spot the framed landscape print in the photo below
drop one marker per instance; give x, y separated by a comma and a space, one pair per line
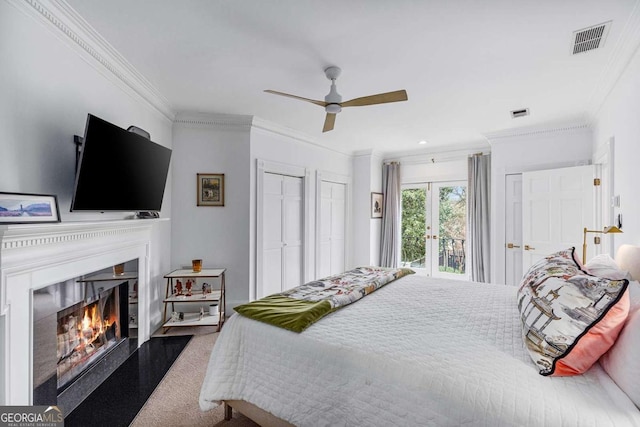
376, 205
210, 189
21, 208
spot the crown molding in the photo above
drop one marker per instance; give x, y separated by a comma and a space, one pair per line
232, 122
68, 26
534, 130
621, 55
245, 123
367, 152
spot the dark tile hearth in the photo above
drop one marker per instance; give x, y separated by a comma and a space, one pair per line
119, 398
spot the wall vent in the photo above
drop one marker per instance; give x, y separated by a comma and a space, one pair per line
519, 113
589, 38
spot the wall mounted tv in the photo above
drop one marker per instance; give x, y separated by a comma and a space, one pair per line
119, 170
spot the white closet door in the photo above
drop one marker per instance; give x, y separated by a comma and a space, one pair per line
556, 205
332, 228
292, 231
272, 235
324, 244
338, 225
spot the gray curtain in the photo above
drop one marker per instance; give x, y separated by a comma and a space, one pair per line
479, 201
391, 221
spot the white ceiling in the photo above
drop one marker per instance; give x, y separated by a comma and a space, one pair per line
465, 64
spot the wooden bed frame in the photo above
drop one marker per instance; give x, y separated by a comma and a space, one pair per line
251, 411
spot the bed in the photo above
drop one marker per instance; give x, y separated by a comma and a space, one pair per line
419, 351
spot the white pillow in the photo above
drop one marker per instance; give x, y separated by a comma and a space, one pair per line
605, 266
622, 362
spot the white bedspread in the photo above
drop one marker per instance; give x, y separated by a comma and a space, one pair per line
418, 352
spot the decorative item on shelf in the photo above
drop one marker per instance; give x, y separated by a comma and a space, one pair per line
118, 269
135, 289
196, 264
177, 316
210, 189
213, 309
206, 289
178, 287
23, 208
606, 230
376, 205
189, 285
201, 312
133, 319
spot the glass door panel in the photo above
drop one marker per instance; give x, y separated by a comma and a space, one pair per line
434, 222
414, 229
449, 211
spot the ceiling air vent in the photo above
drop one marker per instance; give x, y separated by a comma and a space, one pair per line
519, 113
589, 38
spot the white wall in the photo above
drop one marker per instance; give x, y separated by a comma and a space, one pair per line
219, 235
618, 119
528, 151
447, 170
367, 178
48, 84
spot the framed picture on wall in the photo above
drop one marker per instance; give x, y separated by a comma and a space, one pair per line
21, 208
210, 189
376, 205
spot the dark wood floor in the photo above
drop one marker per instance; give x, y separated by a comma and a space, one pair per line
117, 401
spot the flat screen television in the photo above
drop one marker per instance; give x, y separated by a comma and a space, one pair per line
119, 170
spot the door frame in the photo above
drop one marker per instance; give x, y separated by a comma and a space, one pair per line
606, 202
338, 179
266, 166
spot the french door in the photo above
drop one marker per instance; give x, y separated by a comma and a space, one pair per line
434, 224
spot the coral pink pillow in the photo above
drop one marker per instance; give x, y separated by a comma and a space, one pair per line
569, 318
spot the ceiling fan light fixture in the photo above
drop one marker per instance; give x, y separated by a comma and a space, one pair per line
333, 108
333, 101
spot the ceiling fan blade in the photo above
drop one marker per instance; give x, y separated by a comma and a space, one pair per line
329, 121
381, 98
313, 101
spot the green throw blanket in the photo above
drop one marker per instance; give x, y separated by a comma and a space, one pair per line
299, 307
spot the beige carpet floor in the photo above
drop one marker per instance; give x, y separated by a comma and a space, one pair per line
175, 401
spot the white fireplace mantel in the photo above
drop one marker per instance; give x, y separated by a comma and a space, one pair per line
37, 255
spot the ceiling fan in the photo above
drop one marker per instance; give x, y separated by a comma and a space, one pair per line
333, 101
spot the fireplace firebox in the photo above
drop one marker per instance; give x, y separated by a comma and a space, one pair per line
85, 333
81, 335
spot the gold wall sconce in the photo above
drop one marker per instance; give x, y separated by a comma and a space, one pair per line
606, 230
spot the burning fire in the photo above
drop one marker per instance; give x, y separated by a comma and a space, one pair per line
81, 335
92, 324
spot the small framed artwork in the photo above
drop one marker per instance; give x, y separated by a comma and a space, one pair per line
210, 189
22, 208
376, 205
